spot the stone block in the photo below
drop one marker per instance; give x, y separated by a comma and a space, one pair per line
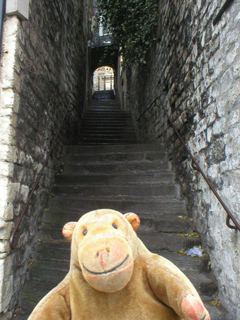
226, 81
7, 97
18, 7
219, 127
4, 246
24, 192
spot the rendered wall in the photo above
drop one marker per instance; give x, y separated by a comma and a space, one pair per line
43, 71
195, 69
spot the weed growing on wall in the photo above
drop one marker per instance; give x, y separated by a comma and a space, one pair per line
132, 23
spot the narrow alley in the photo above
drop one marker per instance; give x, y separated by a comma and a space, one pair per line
132, 106
108, 169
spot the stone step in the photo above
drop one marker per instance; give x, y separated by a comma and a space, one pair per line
119, 191
171, 223
107, 142
107, 129
154, 241
79, 150
109, 126
60, 251
112, 105
108, 135
133, 167
99, 137
114, 179
161, 206
99, 119
54, 271
115, 157
107, 113
35, 290
106, 119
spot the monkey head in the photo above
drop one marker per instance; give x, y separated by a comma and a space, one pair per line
104, 248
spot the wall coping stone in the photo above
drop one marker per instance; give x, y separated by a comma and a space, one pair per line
19, 8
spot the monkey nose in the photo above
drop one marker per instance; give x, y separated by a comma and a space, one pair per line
102, 252
103, 255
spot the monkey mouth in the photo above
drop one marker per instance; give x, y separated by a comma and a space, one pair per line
108, 271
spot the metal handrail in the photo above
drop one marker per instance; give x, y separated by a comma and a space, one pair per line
196, 166
2, 13
12, 242
222, 10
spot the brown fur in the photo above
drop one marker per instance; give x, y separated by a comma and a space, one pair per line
114, 277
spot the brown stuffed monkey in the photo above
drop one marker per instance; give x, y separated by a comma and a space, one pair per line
113, 276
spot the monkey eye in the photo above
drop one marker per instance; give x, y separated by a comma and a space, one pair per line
84, 232
115, 226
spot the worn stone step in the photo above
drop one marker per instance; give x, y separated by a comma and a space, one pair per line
160, 206
108, 135
104, 120
107, 138
54, 271
115, 157
136, 167
33, 292
109, 126
79, 150
49, 250
149, 222
156, 242
104, 106
107, 129
106, 142
105, 114
113, 179
217, 313
118, 191
36, 290
50, 271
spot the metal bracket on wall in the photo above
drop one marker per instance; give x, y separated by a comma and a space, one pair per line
222, 10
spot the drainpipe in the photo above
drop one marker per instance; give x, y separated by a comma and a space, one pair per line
2, 13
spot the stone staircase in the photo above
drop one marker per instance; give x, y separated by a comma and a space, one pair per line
105, 123
125, 177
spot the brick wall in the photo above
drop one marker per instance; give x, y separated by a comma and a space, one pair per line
43, 71
195, 69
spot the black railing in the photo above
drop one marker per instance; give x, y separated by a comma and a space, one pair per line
14, 239
222, 10
196, 166
2, 13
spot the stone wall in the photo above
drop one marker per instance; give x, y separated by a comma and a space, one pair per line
194, 69
43, 72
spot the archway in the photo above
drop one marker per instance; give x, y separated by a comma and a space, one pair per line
103, 79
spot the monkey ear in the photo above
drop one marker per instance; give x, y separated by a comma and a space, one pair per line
67, 230
133, 219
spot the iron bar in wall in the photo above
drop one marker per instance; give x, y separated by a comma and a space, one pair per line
13, 243
2, 13
222, 10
